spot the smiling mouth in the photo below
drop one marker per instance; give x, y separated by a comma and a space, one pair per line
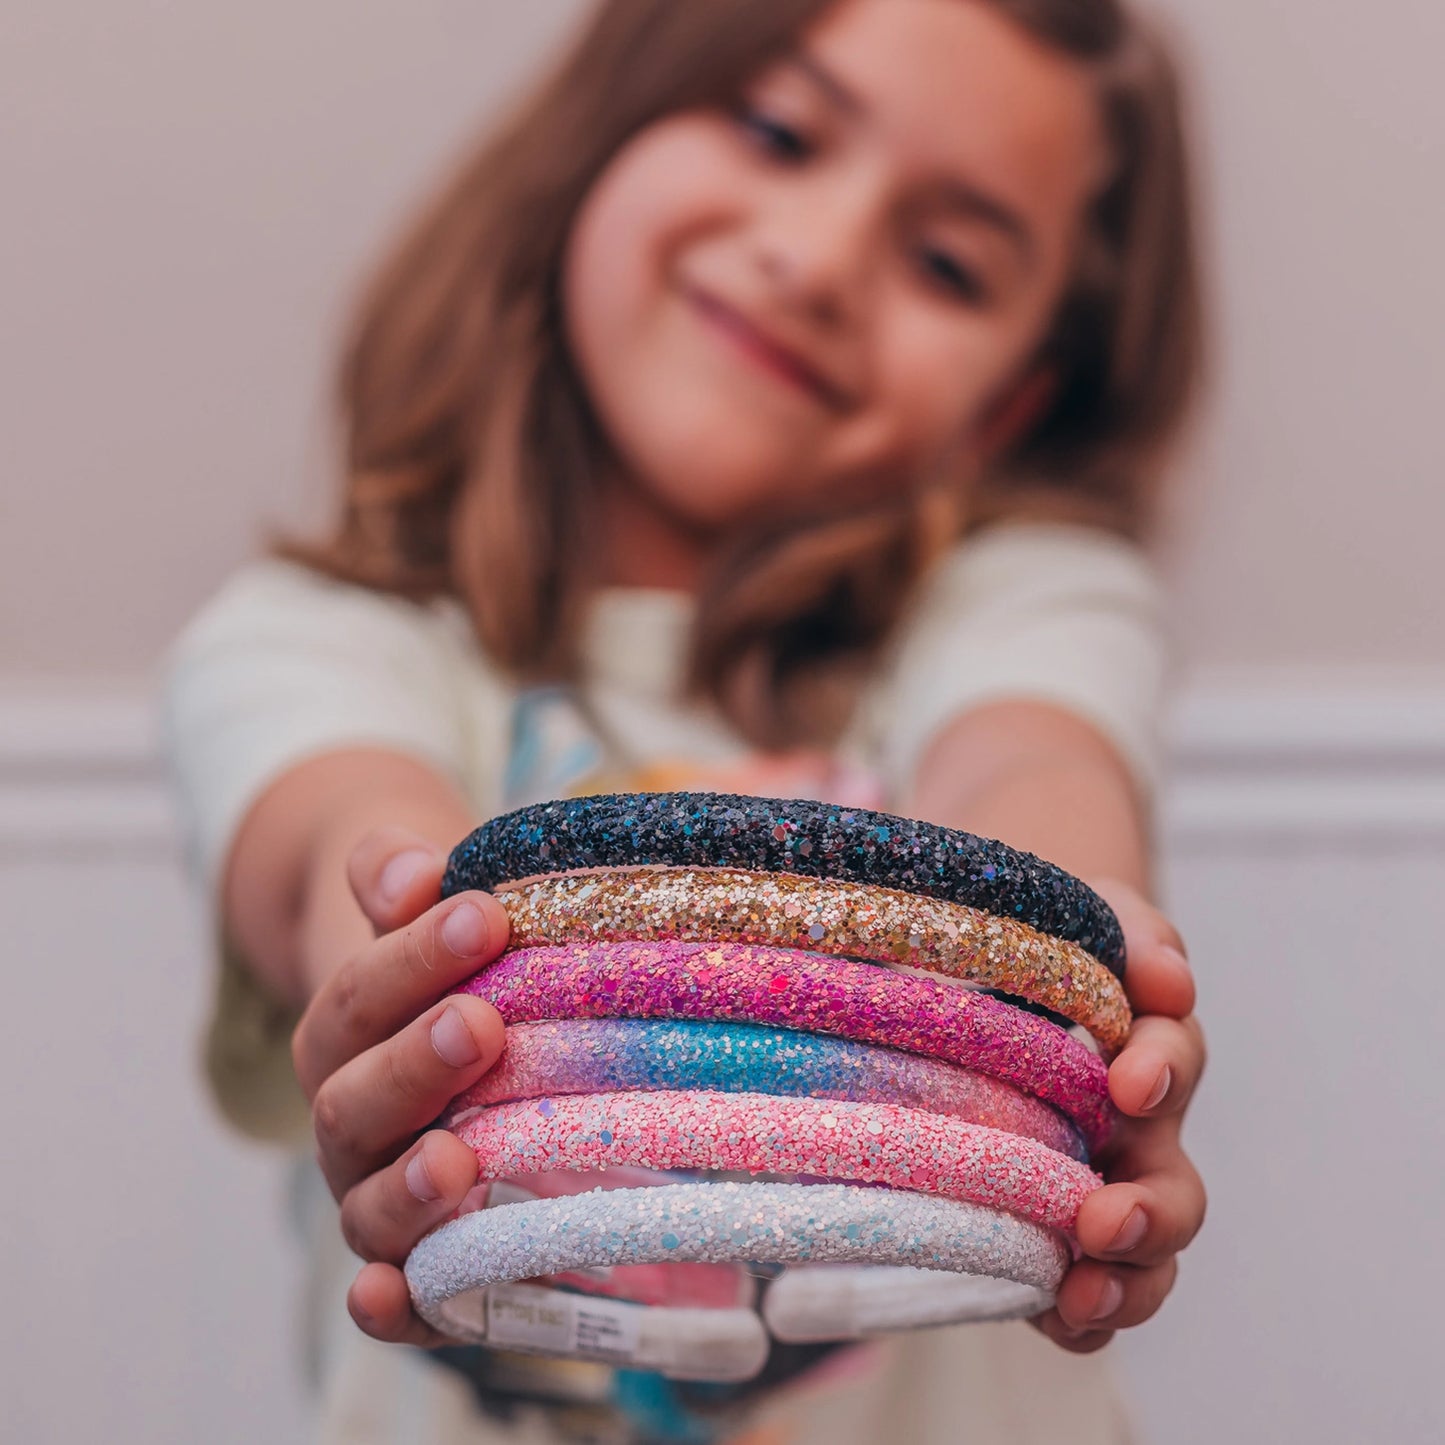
769, 355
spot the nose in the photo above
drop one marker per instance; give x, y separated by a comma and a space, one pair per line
816, 247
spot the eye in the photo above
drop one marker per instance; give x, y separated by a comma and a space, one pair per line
774, 137
952, 276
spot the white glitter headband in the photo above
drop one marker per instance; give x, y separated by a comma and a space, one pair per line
450, 1271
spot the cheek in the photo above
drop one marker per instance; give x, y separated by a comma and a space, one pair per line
676, 411
935, 382
659, 192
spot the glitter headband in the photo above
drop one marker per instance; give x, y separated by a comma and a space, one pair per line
850, 920
904, 1149
588, 1056
696, 1286
747, 983
804, 1304
817, 840
721, 1223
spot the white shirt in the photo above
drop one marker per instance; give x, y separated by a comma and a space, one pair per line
284, 664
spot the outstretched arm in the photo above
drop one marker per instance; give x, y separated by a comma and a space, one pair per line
332, 896
1039, 778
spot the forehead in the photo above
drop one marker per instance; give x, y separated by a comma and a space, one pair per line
956, 89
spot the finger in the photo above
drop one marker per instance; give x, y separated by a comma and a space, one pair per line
1095, 1296
389, 982
1155, 1208
1156, 1072
372, 1106
381, 1306
395, 875
1050, 1323
1157, 979
387, 1212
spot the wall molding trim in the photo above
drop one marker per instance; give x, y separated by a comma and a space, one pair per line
1334, 761
1331, 762
81, 773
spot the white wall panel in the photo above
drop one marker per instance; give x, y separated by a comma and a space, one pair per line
147, 1274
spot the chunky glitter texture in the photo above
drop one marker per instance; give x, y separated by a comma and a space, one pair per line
817, 840
849, 920
725, 1223
589, 1056
763, 1134
749, 983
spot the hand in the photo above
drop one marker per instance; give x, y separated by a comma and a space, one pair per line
1152, 1203
380, 1051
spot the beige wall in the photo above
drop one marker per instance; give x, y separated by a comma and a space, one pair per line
1314, 529
188, 190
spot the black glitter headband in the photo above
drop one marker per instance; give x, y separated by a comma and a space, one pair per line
818, 840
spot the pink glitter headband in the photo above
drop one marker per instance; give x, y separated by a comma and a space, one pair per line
592, 1056
905, 1149
828, 916
754, 984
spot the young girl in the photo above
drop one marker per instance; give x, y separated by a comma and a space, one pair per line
769, 408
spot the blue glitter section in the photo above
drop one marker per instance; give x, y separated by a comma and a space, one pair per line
816, 840
586, 1055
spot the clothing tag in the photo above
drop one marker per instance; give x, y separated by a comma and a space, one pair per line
606, 1331
523, 1317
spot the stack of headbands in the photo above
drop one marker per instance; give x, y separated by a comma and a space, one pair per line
828, 1045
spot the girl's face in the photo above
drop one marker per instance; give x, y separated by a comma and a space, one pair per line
842, 280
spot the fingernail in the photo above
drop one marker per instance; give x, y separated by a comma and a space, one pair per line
1161, 1087
1130, 1232
1110, 1298
453, 1040
475, 1199
465, 930
419, 1181
399, 875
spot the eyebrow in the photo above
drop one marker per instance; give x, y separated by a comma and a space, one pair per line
958, 196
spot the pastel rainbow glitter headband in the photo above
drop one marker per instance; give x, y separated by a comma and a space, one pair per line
592, 1056
811, 839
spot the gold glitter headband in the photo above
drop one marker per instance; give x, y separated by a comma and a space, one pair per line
841, 919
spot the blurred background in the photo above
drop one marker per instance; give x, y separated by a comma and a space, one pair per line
188, 193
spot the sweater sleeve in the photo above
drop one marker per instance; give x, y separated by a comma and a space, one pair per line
1065, 615
282, 665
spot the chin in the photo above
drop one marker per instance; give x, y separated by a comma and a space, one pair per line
709, 513
713, 492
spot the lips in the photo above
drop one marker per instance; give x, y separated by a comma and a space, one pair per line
766, 352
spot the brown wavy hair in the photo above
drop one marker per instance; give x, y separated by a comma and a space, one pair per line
470, 448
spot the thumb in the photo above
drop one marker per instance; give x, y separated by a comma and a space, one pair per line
395, 875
